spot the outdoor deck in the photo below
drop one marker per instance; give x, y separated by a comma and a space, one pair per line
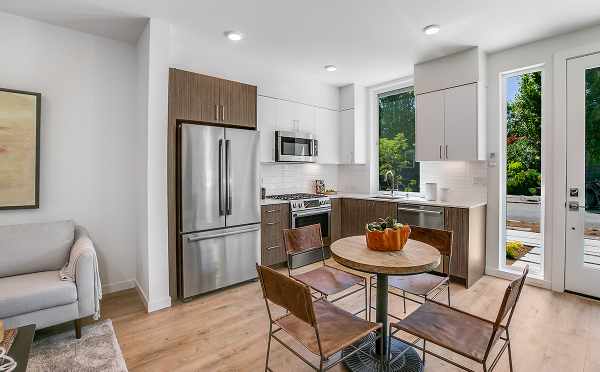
535, 257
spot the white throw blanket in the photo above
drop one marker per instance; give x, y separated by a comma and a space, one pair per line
84, 245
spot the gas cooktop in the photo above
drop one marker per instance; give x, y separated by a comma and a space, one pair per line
297, 196
303, 201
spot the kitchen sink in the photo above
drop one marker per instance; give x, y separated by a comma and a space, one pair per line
389, 197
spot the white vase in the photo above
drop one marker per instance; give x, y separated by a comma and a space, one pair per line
430, 191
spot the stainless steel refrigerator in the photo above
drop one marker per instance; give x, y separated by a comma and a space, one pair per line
219, 210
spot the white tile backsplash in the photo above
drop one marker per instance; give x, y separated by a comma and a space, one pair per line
466, 180
290, 178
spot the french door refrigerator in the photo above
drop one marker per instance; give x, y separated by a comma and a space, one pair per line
219, 210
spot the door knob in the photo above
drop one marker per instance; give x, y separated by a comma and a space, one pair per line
574, 206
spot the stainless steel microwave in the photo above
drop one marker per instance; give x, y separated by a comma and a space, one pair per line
295, 147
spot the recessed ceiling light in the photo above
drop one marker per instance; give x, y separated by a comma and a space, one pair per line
234, 35
330, 68
431, 29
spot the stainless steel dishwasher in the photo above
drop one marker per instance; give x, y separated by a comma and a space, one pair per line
421, 215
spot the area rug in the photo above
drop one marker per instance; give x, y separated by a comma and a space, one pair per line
97, 350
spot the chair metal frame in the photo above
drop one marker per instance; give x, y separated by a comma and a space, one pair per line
498, 330
323, 366
435, 291
291, 255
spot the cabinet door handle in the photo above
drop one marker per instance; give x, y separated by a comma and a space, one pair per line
273, 247
272, 223
440, 151
446, 152
272, 211
222, 113
217, 112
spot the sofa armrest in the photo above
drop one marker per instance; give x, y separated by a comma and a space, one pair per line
85, 273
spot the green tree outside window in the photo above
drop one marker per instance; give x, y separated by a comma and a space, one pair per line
397, 141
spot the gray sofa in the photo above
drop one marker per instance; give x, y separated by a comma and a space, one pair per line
31, 290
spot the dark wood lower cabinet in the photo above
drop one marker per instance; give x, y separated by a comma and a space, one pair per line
357, 213
467, 224
274, 218
468, 243
335, 228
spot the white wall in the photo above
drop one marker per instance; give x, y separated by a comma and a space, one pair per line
88, 126
153, 272
143, 49
511, 59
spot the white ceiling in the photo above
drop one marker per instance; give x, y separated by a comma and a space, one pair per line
369, 41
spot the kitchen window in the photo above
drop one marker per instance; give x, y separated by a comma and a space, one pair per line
397, 166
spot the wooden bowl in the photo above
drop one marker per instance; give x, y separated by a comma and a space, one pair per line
388, 240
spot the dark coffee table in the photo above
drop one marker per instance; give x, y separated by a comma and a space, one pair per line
20, 348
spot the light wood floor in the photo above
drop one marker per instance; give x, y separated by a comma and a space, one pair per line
227, 331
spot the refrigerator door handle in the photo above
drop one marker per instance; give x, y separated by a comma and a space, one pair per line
221, 208
229, 183
220, 235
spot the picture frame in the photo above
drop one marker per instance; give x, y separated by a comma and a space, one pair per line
20, 119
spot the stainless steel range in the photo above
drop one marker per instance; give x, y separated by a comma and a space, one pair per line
309, 209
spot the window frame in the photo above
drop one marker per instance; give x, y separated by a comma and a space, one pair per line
401, 85
544, 223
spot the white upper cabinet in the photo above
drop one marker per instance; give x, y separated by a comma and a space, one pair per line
275, 114
346, 137
450, 108
430, 126
267, 115
460, 118
353, 125
328, 135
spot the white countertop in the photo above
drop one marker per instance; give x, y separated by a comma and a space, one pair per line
414, 200
400, 200
268, 201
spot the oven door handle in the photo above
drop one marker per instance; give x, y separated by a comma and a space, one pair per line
311, 212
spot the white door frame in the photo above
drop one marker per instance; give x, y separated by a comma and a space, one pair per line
560, 162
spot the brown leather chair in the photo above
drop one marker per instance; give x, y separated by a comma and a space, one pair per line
324, 329
465, 334
427, 285
325, 280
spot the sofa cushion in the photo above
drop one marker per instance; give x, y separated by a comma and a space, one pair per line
36, 247
32, 292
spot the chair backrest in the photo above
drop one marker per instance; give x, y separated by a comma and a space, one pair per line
437, 238
288, 293
509, 302
302, 240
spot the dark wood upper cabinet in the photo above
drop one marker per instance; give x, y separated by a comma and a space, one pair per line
202, 98
238, 103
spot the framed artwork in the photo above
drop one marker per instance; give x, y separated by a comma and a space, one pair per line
19, 149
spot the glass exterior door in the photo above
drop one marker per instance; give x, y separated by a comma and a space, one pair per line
582, 270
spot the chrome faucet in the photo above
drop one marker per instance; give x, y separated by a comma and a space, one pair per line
386, 178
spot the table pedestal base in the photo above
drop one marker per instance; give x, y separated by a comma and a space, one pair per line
408, 362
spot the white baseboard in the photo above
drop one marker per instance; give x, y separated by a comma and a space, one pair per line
491, 271
159, 304
141, 293
152, 306
118, 286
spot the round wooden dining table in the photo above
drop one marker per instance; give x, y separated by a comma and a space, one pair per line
416, 257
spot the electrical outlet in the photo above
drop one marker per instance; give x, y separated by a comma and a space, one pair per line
479, 180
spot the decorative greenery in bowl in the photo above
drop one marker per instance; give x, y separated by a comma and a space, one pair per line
387, 235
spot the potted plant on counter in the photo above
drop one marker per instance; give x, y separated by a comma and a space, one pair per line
387, 235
